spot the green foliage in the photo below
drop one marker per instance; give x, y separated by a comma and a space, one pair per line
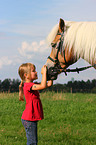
74, 86
9, 85
70, 119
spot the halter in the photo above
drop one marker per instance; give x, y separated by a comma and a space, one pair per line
53, 72
59, 47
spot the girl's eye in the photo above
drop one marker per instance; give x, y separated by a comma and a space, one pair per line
33, 70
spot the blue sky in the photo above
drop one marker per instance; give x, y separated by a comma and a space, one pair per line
24, 26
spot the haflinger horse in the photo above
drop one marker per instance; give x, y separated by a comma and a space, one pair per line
70, 41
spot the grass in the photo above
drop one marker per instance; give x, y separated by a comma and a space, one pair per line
70, 119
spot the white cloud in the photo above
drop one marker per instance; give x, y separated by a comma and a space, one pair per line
28, 50
5, 61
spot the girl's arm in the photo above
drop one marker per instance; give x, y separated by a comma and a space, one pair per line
43, 83
21, 94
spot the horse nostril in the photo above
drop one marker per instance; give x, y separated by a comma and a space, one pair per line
52, 73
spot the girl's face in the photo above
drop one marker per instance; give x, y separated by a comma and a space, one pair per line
33, 74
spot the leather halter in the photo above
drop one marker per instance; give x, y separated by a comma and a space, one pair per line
59, 48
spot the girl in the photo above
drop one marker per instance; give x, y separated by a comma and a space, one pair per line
33, 109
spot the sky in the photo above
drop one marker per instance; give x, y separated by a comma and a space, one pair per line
24, 26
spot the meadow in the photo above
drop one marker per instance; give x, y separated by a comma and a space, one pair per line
70, 119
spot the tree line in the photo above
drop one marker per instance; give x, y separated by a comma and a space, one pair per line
9, 85
72, 86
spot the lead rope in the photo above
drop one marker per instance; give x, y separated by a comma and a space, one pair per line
76, 70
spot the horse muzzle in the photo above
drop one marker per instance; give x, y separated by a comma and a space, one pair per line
52, 73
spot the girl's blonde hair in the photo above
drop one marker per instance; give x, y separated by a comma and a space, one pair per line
25, 68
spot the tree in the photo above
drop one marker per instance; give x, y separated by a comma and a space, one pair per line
5, 85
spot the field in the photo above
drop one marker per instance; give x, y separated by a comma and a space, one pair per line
70, 119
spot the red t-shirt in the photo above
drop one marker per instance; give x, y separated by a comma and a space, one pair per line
33, 109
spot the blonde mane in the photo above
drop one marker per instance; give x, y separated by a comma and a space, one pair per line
52, 34
79, 35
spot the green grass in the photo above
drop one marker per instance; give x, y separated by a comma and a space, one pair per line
70, 119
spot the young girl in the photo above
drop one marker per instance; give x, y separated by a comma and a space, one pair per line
33, 109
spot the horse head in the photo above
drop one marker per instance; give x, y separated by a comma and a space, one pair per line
60, 56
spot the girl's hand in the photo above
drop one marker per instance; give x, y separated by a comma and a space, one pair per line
21, 86
21, 99
43, 69
21, 95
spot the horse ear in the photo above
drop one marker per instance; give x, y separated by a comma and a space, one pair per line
61, 25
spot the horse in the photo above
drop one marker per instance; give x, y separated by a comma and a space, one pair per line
70, 41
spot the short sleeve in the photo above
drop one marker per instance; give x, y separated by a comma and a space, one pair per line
28, 86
